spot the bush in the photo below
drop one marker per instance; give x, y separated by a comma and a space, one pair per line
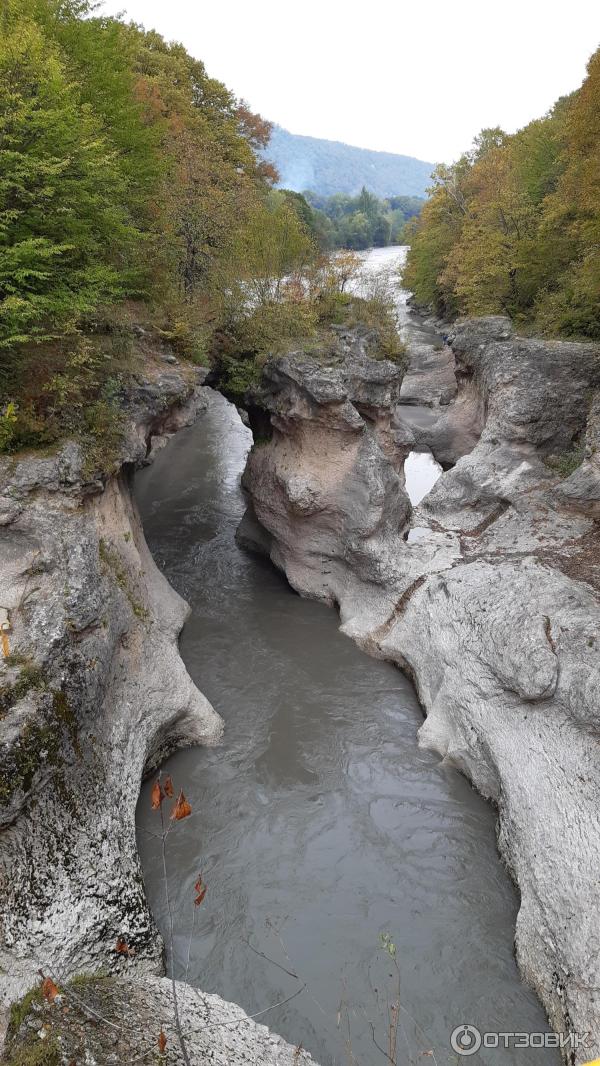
8, 421
273, 325
81, 399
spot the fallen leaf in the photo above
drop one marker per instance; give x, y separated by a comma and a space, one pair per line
49, 989
157, 795
168, 786
200, 897
162, 1042
122, 947
182, 808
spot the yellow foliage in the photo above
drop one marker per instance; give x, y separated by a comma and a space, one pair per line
514, 226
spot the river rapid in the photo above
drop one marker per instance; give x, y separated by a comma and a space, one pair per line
318, 824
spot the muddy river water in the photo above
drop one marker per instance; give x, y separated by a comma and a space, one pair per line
319, 825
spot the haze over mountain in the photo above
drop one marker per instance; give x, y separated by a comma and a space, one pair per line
328, 167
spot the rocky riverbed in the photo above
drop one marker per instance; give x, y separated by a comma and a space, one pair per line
487, 594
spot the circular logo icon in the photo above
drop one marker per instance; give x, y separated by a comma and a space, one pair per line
465, 1040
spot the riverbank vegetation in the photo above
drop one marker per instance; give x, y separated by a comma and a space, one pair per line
305, 309
133, 201
514, 226
362, 221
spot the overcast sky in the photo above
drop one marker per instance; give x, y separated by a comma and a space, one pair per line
420, 78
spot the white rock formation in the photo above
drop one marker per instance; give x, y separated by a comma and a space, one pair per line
93, 694
493, 610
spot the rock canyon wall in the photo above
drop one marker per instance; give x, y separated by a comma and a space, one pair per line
487, 594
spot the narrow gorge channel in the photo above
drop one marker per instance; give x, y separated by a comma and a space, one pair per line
318, 822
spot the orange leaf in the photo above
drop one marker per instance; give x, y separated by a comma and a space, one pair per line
49, 989
168, 786
182, 808
162, 1042
200, 897
157, 795
122, 947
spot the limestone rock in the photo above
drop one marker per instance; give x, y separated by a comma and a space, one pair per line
95, 694
493, 609
105, 1020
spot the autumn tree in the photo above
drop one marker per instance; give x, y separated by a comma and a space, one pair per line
514, 226
273, 246
126, 174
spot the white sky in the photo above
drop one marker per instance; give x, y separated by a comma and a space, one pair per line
417, 78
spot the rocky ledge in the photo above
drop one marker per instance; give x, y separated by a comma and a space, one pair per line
113, 1021
93, 694
487, 595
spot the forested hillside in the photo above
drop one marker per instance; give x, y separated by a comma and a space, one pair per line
133, 202
514, 226
329, 167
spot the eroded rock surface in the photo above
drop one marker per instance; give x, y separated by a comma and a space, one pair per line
493, 609
102, 1021
92, 694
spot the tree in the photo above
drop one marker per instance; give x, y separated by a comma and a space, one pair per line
273, 246
514, 226
67, 241
126, 173
356, 231
486, 266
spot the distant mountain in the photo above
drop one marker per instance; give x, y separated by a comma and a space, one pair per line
327, 167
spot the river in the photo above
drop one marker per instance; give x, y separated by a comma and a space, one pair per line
318, 824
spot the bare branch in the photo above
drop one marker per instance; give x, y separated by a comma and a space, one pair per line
269, 959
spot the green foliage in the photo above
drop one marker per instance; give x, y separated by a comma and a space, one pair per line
273, 248
126, 173
514, 226
133, 190
300, 315
29, 1050
239, 376
566, 464
272, 325
8, 421
375, 312
67, 242
76, 391
36, 1052
21, 1008
387, 944
362, 221
30, 677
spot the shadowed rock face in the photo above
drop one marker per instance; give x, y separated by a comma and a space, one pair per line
95, 693
494, 609
582, 488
